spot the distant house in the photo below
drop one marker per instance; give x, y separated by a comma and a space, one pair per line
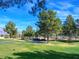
3, 34
77, 25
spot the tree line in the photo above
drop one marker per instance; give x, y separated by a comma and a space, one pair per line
48, 25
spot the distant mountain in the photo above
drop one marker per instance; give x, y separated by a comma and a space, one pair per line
2, 32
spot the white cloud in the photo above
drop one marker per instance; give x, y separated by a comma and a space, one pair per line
2, 25
54, 5
61, 5
63, 14
66, 5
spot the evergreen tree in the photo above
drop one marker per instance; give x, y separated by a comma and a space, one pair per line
69, 26
48, 23
11, 29
29, 32
77, 27
38, 5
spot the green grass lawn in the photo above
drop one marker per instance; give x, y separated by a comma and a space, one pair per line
12, 49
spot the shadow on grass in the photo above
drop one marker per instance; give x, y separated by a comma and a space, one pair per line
45, 55
66, 41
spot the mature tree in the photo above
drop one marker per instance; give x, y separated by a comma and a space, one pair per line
11, 29
23, 35
29, 32
41, 24
48, 23
77, 27
37, 5
57, 27
69, 26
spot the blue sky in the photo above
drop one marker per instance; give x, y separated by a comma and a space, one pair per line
22, 19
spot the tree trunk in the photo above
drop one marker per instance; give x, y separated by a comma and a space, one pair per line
76, 34
56, 37
10, 36
47, 38
69, 39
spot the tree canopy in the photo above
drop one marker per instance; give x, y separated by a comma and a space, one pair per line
11, 29
69, 25
48, 23
28, 32
37, 4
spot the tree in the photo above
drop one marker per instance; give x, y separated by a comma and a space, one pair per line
77, 27
57, 27
11, 29
69, 26
48, 23
29, 32
37, 4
